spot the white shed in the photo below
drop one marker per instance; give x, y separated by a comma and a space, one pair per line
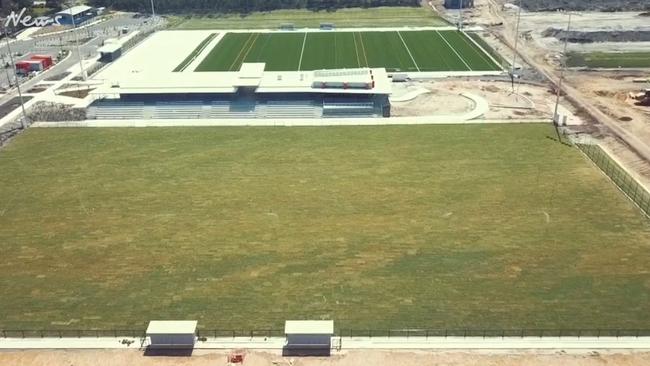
309, 334
172, 333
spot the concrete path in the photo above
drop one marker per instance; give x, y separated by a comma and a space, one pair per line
431, 343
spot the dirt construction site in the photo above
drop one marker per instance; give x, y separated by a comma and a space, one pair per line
601, 98
352, 358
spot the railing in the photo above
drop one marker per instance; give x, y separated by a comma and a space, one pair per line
623, 180
344, 333
492, 333
71, 333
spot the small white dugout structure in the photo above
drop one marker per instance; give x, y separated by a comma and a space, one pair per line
168, 334
308, 336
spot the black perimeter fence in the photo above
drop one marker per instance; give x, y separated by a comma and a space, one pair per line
341, 333
626, 183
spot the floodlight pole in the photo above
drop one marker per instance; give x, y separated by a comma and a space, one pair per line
460, 22
76, 42
514, 57
556, 118
20, 94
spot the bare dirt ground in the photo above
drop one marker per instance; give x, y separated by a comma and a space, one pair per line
352, 358
527, 102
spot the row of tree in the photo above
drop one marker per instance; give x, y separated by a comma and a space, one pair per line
244, 6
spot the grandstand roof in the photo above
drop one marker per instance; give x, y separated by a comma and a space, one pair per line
344, 81
250, 74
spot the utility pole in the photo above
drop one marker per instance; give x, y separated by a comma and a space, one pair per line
460, 21
20, 94
514, 57
76, 42
556, 117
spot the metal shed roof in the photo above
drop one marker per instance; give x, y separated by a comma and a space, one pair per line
309, 327
75, 10
172, 327
109, 48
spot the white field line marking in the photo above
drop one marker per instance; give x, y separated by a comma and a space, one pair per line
356, 50
453, 49
408, 50
485, 52
363, 48
207, 41
304, 40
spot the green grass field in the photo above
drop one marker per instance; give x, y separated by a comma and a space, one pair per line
609, 60
396, 51
478, 226
353, 17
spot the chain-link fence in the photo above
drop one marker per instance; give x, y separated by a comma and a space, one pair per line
625, 182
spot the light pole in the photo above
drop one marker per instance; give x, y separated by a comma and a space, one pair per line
460, 21
153, 11
514, 57
556, 118
20, 94
76, 42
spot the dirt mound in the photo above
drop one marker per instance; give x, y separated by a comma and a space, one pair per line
598, 36
583, 5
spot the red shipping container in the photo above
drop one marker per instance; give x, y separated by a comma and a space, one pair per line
35, 65
47, 60
23, 66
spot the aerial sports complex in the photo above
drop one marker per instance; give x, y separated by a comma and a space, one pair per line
279, 73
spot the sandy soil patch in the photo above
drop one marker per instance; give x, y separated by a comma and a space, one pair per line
527, 102
352, 358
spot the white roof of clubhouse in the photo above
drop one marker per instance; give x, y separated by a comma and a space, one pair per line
266, 82
148, 69
76, 10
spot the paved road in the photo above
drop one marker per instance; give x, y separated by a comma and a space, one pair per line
93, 35
90, 38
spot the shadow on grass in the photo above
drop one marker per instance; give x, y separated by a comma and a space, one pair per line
168, 352
554, 138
